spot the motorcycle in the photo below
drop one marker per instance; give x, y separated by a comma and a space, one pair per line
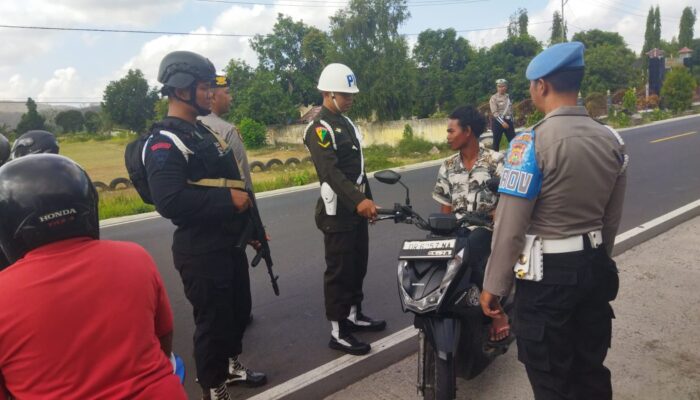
437, 285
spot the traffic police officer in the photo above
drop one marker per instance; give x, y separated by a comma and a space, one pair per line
194, 181
343, 211
562, 192
502, 113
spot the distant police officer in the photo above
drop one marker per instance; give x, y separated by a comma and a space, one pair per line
562, 192
502, 114
194, 181
34, 142
343, 210
220, 105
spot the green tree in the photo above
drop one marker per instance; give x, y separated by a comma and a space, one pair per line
609, 68
282, 53
366, 39
129, 101
240, 74
30, 120
93, 121
508, 60
523, 21
264, 100
596, 37
629, 101
678, 88
160, 109
559, 29
439, 56
685, 34
70, 121
652, 36
254, 133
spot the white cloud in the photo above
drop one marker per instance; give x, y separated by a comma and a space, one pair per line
236, 19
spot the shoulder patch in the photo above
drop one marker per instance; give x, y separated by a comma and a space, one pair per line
521, 176
324, 137
161, 146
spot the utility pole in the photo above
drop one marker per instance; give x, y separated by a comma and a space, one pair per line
563, 24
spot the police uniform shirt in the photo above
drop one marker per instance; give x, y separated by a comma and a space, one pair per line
230, 134
582, 191
466, 190
501, 106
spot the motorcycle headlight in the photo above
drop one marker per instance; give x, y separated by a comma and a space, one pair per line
433, 300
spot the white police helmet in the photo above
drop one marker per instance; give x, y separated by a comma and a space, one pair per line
337, 78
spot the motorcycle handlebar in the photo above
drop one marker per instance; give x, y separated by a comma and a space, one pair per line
386, 211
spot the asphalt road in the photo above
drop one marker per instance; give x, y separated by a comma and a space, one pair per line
289, 334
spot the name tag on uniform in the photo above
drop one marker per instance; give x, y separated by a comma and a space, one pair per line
521, 176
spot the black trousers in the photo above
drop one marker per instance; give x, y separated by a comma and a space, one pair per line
498, 131
217, 285
346, 267
479, 246
563, 326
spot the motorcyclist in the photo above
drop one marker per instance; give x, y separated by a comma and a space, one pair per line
34, 142
463, 186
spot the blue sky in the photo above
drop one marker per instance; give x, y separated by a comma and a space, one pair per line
76, 66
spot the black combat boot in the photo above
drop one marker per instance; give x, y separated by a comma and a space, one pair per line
217, 393
343, 340
240, 375
357, 321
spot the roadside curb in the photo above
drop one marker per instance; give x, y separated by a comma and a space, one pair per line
107, 223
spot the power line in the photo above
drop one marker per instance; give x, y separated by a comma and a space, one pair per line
341, 4
105, 30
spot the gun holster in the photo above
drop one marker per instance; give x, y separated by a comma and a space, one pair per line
330, 199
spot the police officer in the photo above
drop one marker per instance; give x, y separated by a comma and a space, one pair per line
563, 187
502, 114
220, 105
344, 209
34, 142
195, 182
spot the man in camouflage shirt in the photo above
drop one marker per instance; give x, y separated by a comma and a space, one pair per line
462, 187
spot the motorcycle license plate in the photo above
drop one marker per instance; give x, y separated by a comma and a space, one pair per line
437, 249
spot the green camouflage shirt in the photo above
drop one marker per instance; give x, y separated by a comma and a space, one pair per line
466, 190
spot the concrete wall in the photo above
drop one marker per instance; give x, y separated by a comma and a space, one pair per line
432, 130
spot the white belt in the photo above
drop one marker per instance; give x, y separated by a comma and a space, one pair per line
571, 244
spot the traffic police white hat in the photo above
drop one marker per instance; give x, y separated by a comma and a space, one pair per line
560, 57
337, 78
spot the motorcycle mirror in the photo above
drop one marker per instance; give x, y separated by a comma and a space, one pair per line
493, 184
387, 176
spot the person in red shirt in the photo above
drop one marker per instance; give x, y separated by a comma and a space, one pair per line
80, 318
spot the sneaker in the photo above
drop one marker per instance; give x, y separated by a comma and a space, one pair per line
348, 343
218, 393
357, 321
240, 375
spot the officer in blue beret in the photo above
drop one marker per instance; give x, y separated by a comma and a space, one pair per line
562, 191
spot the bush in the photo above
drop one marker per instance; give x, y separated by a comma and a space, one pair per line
253, 132
678, 88
629, 101
522, 110
619, 120
658, 115
646, 103
596, 104
534, 118
410, 144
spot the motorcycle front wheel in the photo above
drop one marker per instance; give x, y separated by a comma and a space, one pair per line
439, 382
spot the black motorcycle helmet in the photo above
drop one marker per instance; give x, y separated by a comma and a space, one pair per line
183, 69
34, 142
4, 149
44, 198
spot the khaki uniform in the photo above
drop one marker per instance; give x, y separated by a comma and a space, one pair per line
466, 190
231, 135
337, 156
501, 111
501, 106
563, 322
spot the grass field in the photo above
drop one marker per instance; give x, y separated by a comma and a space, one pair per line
104, 161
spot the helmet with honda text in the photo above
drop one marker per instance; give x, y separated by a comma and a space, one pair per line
44, 198
337, 78
34, 142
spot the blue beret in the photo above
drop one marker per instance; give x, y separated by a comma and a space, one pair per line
560, 57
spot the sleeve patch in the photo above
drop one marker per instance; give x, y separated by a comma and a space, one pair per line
323, 137
521, 177
161, 145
